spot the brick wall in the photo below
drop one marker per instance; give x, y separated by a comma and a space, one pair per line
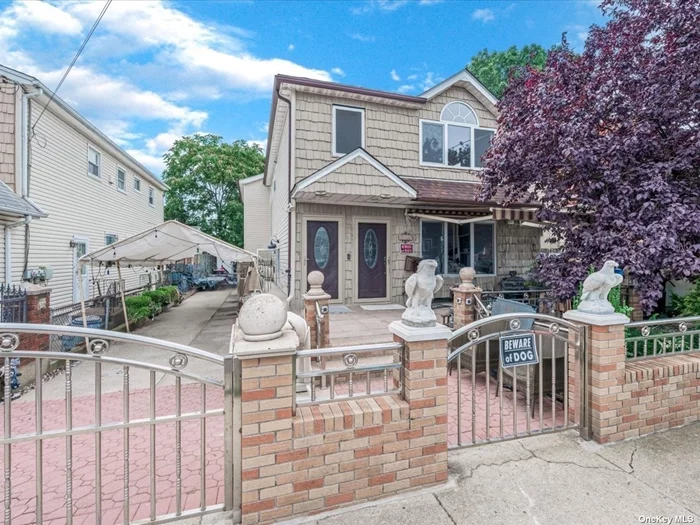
38, 312
344, 452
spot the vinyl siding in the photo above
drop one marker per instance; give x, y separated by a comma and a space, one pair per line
256, 216
7, 134
391, 133
279, 199
79, 204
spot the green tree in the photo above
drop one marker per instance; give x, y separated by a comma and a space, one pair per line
493, 68
202, 172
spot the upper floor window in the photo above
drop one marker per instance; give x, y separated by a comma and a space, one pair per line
94, 161
348, 129
456, 140
137, 184
111, 238
121, 180
151, 197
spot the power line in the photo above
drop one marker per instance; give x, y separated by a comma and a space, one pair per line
75, 59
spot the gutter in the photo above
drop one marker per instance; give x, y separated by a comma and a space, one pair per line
26, 125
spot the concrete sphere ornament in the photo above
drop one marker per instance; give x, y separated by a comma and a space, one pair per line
262, 317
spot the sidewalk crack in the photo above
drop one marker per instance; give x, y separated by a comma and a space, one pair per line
444, 509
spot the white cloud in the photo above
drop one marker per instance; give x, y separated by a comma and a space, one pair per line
394, 75
163, 141
338, 71
152, 162
387, 5
362, 38
484, 15
44, 16
118, 130
430, 2
262, 143
580, 33
290, 47
406, 88
412, 77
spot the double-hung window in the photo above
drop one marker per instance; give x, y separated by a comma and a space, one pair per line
137, 184
151, 197
121, 180
455, 246
456, 140
111, 238
348, 129
94, 162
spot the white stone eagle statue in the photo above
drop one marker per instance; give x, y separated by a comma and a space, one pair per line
596, 287
420, 288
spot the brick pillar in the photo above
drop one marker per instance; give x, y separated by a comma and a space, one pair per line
605, 371
635, 302
464, 302
425, 390
266, 417
313, 296
38, 312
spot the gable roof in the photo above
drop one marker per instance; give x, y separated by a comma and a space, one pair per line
13, 205
68, 111
463, 75
342, 161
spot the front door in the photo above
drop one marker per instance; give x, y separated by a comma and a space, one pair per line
80, 276
371, 260
322, 253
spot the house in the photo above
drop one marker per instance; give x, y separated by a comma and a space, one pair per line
65, 189
359, 182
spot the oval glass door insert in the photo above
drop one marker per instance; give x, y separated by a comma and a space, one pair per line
371, 248
322, 247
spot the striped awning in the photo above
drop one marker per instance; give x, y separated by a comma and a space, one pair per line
514, 214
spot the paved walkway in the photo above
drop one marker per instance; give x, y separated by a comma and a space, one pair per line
203, 321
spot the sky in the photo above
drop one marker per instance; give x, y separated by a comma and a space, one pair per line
154, 71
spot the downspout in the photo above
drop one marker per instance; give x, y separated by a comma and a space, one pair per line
24, 176
291, 211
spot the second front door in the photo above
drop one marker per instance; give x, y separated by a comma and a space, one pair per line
371, 260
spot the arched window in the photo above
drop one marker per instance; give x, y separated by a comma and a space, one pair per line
456, 140
459, 112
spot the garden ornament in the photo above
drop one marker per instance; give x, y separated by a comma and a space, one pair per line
420, 288
596, 287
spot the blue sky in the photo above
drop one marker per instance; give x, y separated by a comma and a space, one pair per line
155, 70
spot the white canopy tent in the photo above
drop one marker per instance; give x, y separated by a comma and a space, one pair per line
164, 243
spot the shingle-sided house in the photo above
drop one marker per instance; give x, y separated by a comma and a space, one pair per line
357, 180
65, 189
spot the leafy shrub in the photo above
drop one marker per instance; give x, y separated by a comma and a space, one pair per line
160, 297
139, 307
690, 303
173, 293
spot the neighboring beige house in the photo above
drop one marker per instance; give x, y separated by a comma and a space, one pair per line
256, 215
360, 179
67, 189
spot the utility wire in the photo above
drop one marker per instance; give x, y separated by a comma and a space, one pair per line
75, 59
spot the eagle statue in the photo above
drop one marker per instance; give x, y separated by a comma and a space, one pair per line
596, 288
420, 288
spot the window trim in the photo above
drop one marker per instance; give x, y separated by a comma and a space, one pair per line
134, 184
471, 246
153, 190
123, 170
99, 162
444, 125
478, 122
333, 122
116, 238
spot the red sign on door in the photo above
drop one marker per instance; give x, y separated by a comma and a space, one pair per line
407, 247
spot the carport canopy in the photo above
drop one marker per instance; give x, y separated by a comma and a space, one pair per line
164, 243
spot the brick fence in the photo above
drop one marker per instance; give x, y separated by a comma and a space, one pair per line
344, 452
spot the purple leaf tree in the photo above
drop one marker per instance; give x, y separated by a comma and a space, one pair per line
609, 143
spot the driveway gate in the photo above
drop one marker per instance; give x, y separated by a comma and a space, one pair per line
143, 432
490, 402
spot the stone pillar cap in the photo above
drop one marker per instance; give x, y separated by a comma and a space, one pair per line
35, 289
262, 317
596, 319
315, 280
412, 334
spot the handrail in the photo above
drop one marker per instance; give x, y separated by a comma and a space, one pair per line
658, 322
94, 333
352, 349
481, 307
319, 319
507, 317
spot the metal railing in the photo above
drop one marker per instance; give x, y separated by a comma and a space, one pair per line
155, 427
379, 367
13, 304
542, 300
653, 338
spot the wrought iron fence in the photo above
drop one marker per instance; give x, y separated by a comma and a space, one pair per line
331, 374
13, 304
105, 312
645, 339
543, 301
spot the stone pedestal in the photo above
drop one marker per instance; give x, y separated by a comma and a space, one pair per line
605, 370
464, 302
313, 296
38, 312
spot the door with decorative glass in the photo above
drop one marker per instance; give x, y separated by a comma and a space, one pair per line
322, 253
371, 260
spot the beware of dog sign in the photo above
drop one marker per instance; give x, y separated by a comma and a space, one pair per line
518, 349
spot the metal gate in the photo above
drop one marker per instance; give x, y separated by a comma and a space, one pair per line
489, 403
140, 431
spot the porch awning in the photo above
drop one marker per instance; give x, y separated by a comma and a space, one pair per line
466, 217
514, 214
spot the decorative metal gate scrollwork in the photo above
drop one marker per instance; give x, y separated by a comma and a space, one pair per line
133, 454
489, 403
